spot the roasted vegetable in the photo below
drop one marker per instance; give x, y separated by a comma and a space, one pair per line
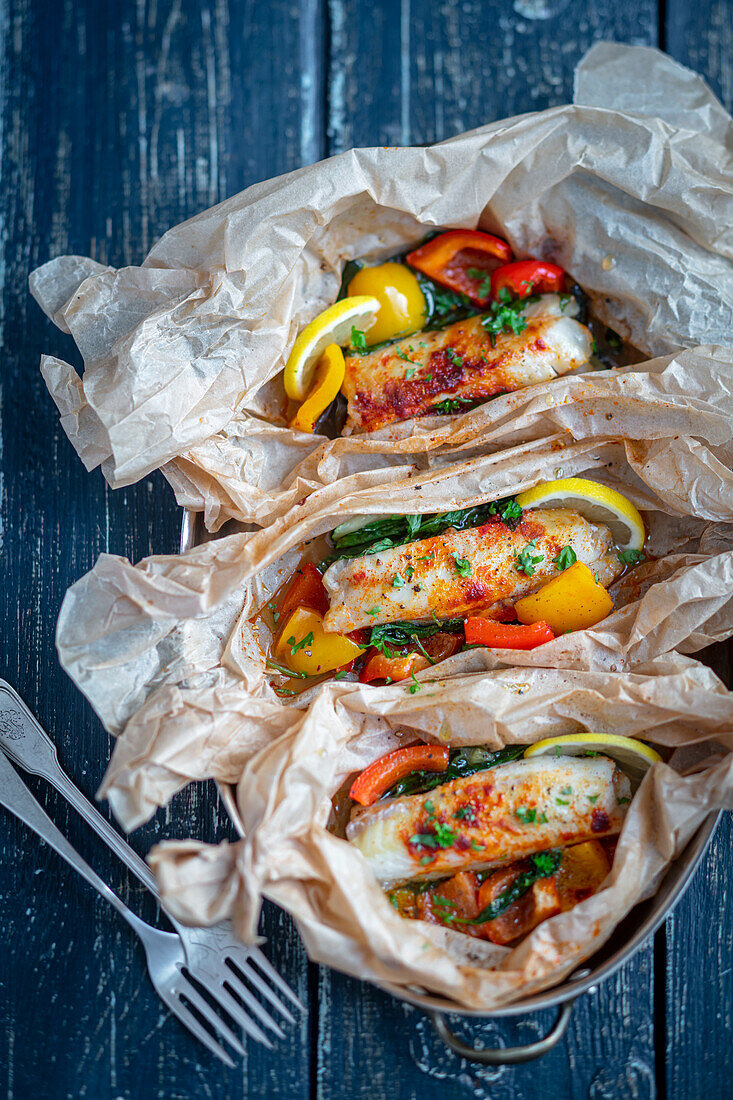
305, 647
383, 773
527, 277
462, 259
505, 635
574, 600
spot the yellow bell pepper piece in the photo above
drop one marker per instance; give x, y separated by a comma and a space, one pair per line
304, 646
402, 307
329, 376
572, 601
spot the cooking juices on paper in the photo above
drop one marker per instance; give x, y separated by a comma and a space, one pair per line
491, 843
395, 594
438, 331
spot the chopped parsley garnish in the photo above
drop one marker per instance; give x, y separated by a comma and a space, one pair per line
506, 315
527, 817
562, 801
455, 358
483, 277
295, 646
477, 847
358, 340
565, 300
286, 671
565, 558
463, 566
525, 560
409, 573
341, 675
631, 557
402, 355
593, 798
373, 611
451, 405
622, 801
398, 581
410, 373
566, 790
441, 837
414, 687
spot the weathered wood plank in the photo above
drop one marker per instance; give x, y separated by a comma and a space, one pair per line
701, 35
370, 1045
698, 940
421, 73
116, 121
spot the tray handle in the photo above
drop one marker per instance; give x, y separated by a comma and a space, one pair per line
506, 1056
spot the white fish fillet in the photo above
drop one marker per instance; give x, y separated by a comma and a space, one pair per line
411, 376
504, 813
362, 590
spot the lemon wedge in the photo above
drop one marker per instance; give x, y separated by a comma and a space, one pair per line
634, 757
333, 326
595, 502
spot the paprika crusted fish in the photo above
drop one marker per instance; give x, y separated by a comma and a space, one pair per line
463, 365
491, 818
459, 572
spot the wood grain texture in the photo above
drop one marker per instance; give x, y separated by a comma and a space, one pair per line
696, 944
421, 71
117, 120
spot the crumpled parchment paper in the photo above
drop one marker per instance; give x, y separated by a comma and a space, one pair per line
168, 655
290, 856
628, 188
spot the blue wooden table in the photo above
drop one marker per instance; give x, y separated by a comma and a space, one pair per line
117, 120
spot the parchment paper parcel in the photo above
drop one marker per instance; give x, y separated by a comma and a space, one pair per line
628, 189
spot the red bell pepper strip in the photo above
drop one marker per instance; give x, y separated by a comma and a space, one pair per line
385, 772
306, 589
449, 257
527, 277
506, 635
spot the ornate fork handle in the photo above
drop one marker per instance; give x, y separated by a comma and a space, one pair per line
25, 741
16, 797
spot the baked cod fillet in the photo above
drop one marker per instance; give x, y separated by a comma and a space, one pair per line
491, 818
410, 377
460, 572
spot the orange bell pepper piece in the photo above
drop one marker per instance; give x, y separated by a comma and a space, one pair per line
385, 772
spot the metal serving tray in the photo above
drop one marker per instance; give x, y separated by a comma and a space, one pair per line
631, 933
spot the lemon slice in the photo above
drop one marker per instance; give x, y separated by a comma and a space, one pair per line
634, 757
596, 502
333, 326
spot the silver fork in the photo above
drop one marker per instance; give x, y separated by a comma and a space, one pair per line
213, 956
163, 950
